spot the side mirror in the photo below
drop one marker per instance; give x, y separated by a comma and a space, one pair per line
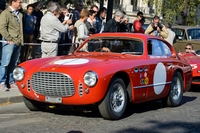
173, 55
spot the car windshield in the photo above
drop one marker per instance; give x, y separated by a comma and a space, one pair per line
123, 46
193, 34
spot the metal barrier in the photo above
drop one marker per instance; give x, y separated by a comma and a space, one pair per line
32, 44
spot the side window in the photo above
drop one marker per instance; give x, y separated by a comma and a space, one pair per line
154, 48
180, 34
166, 49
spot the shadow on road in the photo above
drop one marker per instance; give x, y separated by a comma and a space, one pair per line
195, 88
159, 127
131, 109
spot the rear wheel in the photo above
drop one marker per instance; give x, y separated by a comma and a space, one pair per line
176, 91
114, 104
33, 105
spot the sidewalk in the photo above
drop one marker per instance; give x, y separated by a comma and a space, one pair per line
11, 96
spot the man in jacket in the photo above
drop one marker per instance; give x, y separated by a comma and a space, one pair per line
101, 15
12, 34
113, 25
51, 27
137, 25
157, 29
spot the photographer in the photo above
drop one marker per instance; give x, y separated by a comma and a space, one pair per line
157, 29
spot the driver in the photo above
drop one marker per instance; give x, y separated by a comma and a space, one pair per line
189, 49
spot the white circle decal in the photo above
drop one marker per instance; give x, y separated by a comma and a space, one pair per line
75, 61
159, 78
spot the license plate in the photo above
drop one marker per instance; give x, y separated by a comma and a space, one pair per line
53, 99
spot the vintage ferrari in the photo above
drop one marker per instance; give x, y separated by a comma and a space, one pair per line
107, 71
194, 61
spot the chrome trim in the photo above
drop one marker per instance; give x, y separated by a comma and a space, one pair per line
22, 70
80, 89
145, 86
52, 84
28, 85
95, 76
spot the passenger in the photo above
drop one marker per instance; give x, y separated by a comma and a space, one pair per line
189, 49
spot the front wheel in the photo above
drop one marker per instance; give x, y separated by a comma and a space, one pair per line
114, 104
176, 91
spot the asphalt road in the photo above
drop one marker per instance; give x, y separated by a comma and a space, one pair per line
151, 117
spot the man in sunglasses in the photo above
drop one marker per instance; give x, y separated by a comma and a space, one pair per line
189, 49
137, 26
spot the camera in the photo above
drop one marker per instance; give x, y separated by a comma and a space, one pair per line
68, 16
158, 25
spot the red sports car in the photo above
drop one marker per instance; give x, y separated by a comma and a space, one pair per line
107, 71
194, 61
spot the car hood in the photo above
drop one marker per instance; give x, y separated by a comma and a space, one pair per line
193, 59
78, 61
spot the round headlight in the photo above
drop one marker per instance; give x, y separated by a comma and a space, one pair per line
90, 78
18, 73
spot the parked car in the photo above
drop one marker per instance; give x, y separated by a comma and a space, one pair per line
194, 61
186, 34
107, 71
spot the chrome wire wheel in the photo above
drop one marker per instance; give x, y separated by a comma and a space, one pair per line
114, 103
117, 98
176, 88
175, 95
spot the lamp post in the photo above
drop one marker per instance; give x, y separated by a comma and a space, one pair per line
109, 10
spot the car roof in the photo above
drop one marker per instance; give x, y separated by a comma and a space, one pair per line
185, 27
123, 34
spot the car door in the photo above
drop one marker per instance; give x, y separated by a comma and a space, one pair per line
160, 67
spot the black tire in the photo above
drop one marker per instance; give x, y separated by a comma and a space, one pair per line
33, 105
114, 104
176, 91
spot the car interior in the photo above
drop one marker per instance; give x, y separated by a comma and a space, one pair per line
123, 46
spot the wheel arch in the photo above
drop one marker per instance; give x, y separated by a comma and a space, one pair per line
125, 77
181, 72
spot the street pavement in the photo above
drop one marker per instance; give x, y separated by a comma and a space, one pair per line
11, 96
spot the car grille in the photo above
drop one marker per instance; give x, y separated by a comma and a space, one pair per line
52, 84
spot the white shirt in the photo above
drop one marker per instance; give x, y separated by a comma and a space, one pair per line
171, 36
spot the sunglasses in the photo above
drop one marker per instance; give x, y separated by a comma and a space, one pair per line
188, 48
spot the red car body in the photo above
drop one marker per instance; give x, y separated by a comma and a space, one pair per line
107, 79
194, 61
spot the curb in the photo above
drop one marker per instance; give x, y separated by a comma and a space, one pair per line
13, 99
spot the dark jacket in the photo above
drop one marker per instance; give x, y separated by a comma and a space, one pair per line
112, 26
90, 27
125, 28
98, 24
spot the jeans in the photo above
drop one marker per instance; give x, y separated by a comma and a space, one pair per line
10, 56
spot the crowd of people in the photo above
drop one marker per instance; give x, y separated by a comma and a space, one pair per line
59, 25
